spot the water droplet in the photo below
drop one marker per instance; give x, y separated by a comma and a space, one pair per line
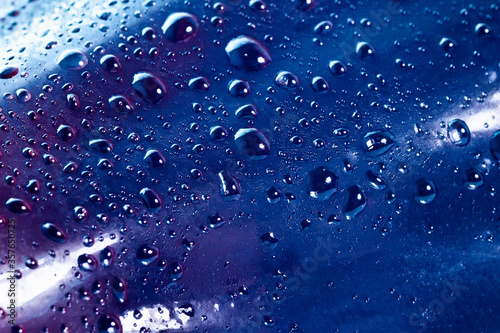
180, 27
323, 27
120, 289
248, 111
54, 233
120, 104
473, 179
458, 132
102, 145
107, 256
355, 203
252, 143
363, 50
66, 132
199, 84
376, 181
73, 60
110, 63
447, 44
320, 85
286, 80
8, 72
87, 262
155, 158
424, 191
151, 199
147, 254
377, 143
337, 68
238, 88
218, 133
341, 133
322, 183
483, 30
269, 239
495, 145
17, 205
176, 271
247, 54
109, 323
149, 87
216, 220
229, 186
273, 194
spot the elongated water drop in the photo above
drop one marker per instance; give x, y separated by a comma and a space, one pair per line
73, 60
247, 54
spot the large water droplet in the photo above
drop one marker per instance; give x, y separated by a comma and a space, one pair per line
247, 54
252, 143
17, 205
355, 203
107, 256
377, 143
218, 133
424, 191
458, 132
147, 254
180, 27
73, 60
151, 199
54, 233
248, 111
322, 183
320, 85
229, 186
149, 87
337, 68
199, 84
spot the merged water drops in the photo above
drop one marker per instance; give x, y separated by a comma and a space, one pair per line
322, 183
73, 60
424, 191
247, 54
252, 143
149, 87
377, 143
458, 132
180, 27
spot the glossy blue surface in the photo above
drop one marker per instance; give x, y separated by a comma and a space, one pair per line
251, 166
